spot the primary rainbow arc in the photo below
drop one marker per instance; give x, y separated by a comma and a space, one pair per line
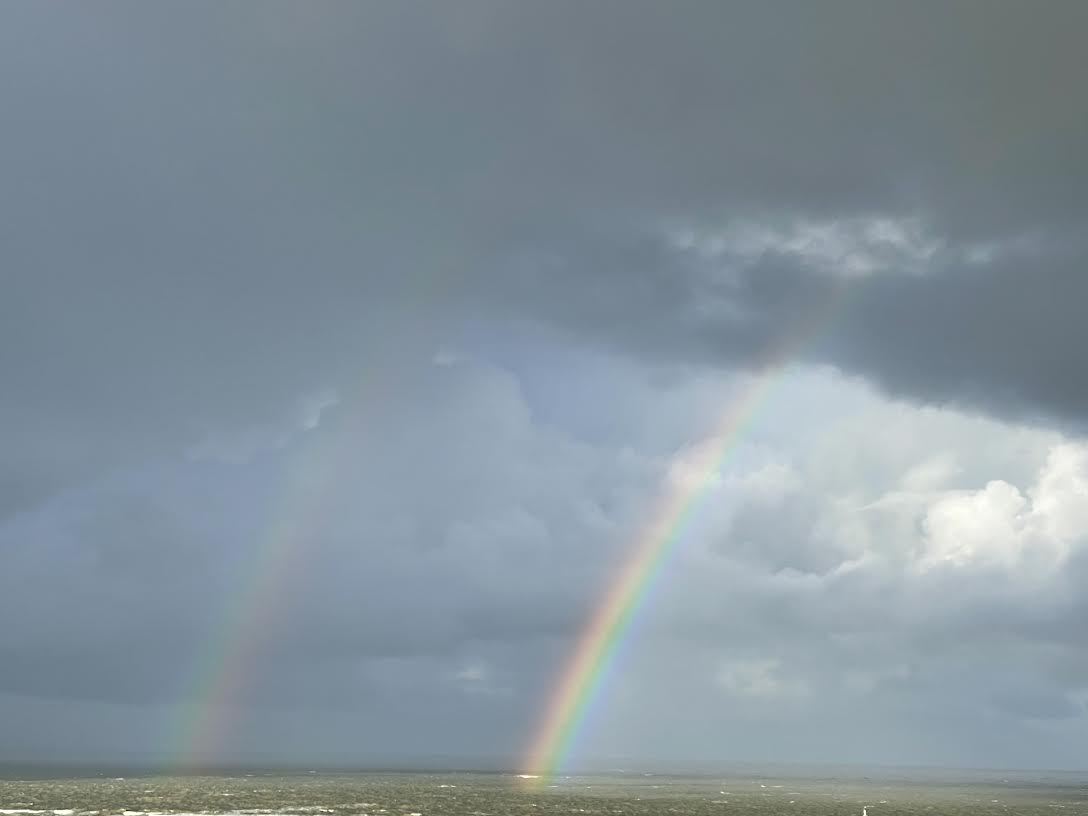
577, 692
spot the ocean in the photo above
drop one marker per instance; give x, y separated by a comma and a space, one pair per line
76, 791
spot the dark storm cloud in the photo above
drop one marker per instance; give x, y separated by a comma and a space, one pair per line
1000, 335
207, 209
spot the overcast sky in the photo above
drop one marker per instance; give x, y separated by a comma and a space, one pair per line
345, 347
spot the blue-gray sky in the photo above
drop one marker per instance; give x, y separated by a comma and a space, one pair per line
433, 299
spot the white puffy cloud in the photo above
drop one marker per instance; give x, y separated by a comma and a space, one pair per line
886, 576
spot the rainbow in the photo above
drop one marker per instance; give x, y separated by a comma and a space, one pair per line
247, 622
578, 690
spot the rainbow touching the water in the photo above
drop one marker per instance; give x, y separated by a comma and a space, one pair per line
246, 627
247, 624
578, 690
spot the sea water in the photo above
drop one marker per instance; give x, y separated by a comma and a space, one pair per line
730, 792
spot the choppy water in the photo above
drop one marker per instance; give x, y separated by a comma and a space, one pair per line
881, 793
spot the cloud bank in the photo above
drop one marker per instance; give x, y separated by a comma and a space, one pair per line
431, 300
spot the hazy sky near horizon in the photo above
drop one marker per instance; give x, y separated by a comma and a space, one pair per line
344, 349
